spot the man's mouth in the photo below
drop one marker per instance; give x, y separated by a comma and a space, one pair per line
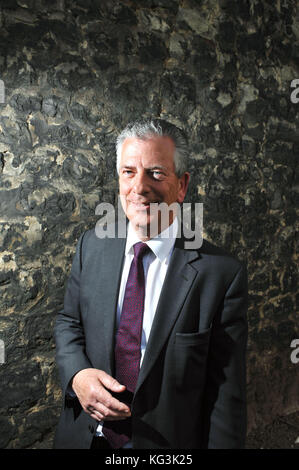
142, 205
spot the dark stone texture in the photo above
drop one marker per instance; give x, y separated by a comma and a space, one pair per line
75, 72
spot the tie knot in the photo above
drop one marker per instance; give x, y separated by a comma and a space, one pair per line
140, 249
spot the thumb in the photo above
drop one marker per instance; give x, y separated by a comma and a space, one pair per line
110, 382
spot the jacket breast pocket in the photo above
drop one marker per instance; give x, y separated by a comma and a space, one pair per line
191, 352
193, 339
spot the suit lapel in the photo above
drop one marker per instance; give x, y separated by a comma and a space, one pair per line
178, 281
109, 281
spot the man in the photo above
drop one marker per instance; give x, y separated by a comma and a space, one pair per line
151, 347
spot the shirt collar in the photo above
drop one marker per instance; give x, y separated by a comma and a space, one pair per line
161, 245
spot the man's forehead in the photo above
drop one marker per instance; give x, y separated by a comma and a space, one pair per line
150, 140
157, 147
150, 157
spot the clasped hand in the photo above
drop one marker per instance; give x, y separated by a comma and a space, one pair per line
92, 389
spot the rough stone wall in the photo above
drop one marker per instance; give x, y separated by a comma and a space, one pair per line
75, 72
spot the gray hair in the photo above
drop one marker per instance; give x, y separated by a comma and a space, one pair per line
157, 127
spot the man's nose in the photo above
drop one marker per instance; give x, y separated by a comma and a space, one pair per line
141, 183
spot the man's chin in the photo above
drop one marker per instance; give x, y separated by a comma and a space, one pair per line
146, 227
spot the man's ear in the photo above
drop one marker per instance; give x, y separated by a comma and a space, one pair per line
183, 182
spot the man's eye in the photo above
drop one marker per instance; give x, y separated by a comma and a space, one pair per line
127, 172
157, 174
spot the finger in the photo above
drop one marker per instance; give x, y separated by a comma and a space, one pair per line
111, 383
106, 399
109, 414
112, 412
99, 417
94, 413
101, 413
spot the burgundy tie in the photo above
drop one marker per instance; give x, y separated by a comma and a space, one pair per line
128, 345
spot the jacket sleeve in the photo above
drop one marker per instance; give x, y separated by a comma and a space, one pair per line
68, 331
225, 411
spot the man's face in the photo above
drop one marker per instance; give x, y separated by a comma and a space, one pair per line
147, 175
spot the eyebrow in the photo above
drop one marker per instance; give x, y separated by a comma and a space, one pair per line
150, 168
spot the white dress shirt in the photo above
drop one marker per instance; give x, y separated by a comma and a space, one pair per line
155, 264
